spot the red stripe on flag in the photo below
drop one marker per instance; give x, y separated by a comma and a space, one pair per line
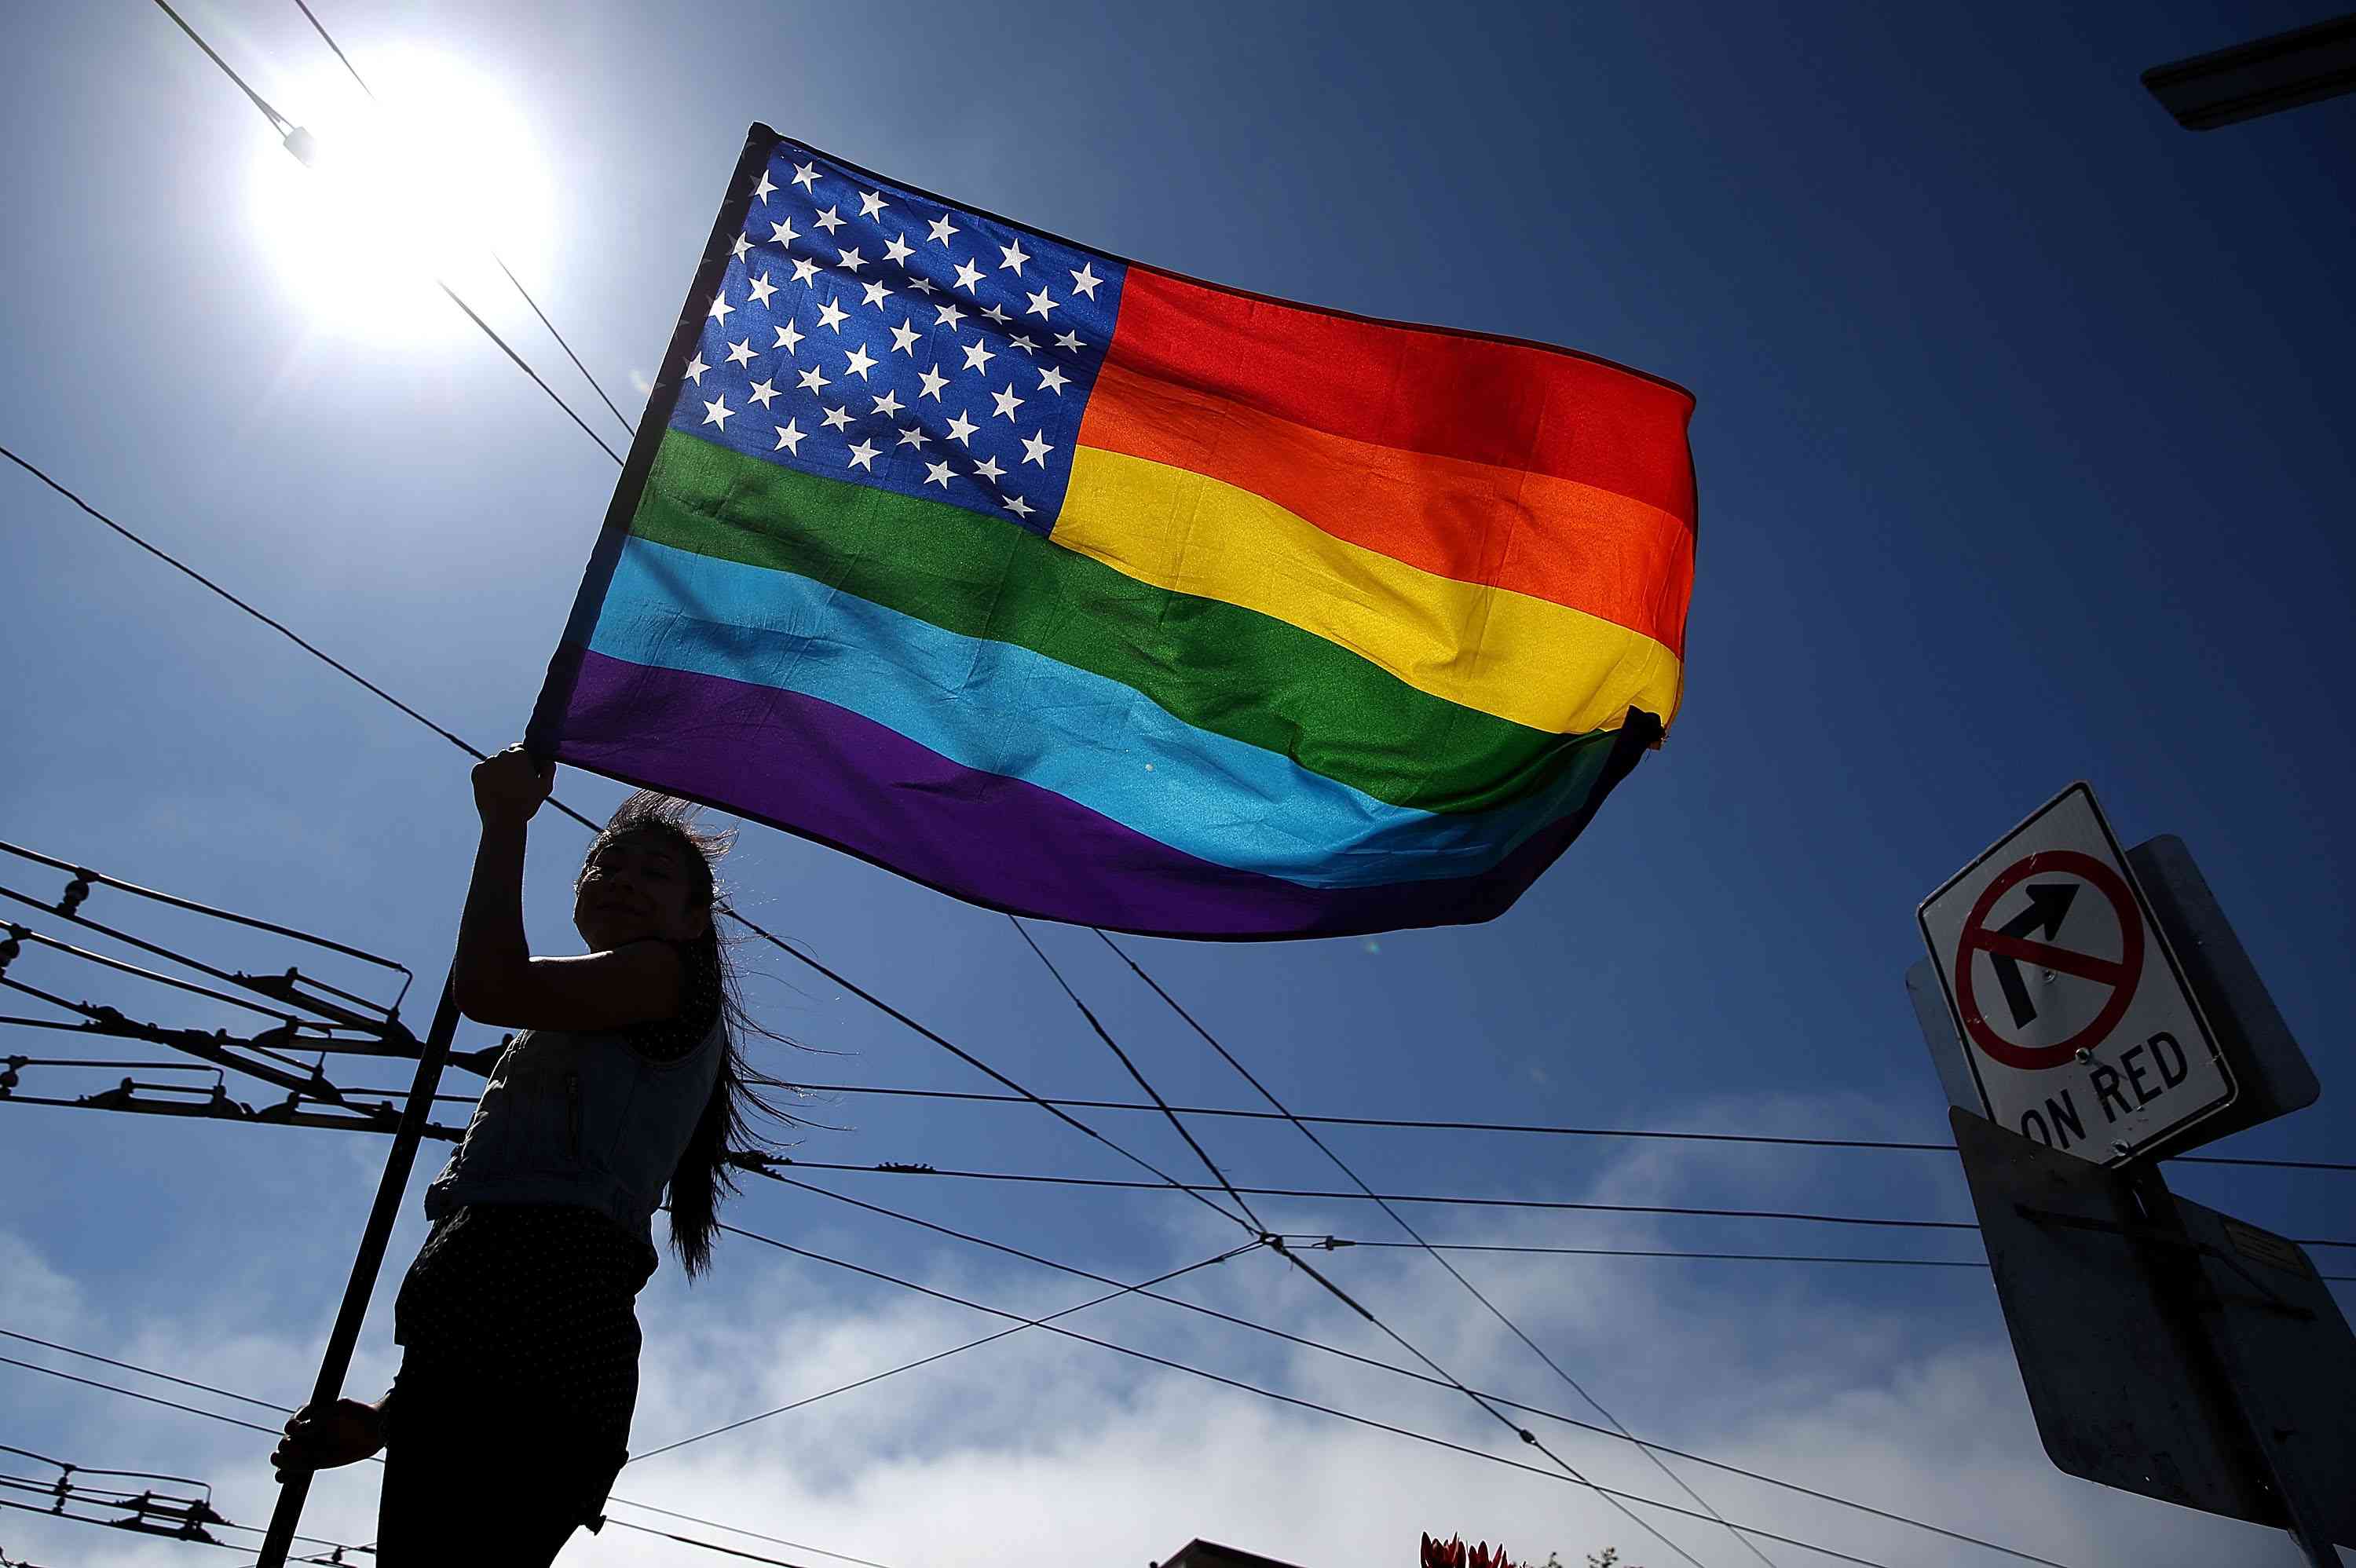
1421, 388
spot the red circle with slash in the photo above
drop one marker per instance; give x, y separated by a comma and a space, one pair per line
2120, 973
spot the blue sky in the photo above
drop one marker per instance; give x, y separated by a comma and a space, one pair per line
2022, 457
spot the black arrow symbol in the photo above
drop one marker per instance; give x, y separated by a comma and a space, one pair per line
2048, 903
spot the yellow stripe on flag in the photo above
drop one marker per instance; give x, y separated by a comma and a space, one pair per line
1522, 658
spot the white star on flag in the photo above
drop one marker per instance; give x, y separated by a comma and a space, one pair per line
831, 315
877, 294
829, 221
1023, 341
861, 362
903, 340
871, 203
695, 370
1012, 256
1052, 381
937, 474
942, 229
897, 251
933, 381
763, 391
717, 411
969, 277
1007, 401
721, 309
741, 352
781, 232
989, 469
742, 246
851, 260
977, 356
789, 437
813, 378
961, 428
763, 289
1084, 280
1018, 506
1035, 449
1040, 305
1070, 340
863, 456
789, 337
805, 270
806, 176
836, 419
912, 436
949, 316
888, 404
764, 188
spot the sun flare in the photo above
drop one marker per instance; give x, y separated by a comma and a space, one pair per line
423, 185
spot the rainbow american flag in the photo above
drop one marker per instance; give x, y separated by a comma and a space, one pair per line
1082, 590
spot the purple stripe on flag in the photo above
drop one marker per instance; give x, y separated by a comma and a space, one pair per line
827, 773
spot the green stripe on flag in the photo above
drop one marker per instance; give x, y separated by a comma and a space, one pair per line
1218, 666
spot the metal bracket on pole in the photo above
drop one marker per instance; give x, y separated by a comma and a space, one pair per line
367, 1264
2173, 1256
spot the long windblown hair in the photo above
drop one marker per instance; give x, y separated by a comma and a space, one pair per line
726, 1125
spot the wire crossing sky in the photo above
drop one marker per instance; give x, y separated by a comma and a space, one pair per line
2018, 464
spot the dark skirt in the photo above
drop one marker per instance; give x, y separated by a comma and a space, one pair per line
520, 1364
473, 1475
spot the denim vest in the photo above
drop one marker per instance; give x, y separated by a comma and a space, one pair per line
581, 1119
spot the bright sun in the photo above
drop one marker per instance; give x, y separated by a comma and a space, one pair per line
423, 185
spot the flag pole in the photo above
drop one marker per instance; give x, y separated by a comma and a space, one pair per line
711, 272
369, 1263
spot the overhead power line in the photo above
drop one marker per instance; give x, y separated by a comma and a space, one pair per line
1349, 1416
891, 1168
1142, 1287
291, 133
278, 122
1019, 1320
284, 1410
1197, 1308
329, 38
1417, 1236
778, 942
1426, 1125
1123, 1058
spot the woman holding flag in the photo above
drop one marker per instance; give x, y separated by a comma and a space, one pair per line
510, 1414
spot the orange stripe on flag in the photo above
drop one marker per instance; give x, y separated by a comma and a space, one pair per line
1575, 545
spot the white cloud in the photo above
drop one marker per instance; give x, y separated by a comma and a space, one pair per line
1038, 1449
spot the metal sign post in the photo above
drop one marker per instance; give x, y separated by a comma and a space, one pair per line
367, 1264
2166, 1349
2088, 1010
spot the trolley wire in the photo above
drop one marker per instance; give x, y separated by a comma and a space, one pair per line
367, 1117
1114, 1046
1617, 1434
1343, 1295
1353, 1418
1437, 1256
329, 38
278, 122
1534, 1128
284, 1410
1458, 1200
778, 942
1141, 1287
286, 131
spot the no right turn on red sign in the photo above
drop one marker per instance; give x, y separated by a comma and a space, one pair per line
2077, 1024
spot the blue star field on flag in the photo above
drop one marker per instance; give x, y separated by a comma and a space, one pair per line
864, 332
